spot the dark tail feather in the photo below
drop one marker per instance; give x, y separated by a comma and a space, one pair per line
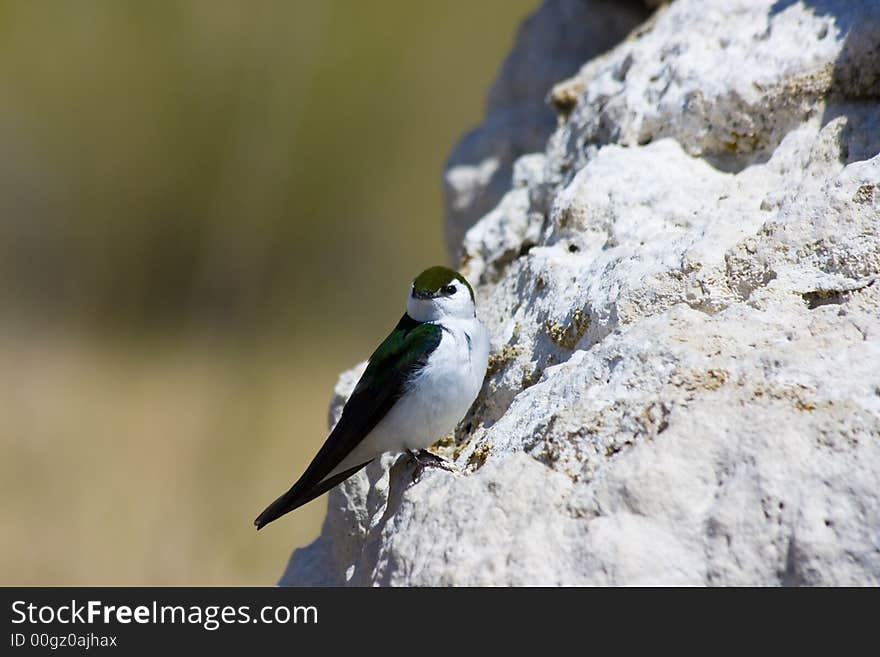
295, 497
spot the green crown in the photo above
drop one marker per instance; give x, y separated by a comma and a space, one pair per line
431, 280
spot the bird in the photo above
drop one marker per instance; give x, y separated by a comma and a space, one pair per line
418, 385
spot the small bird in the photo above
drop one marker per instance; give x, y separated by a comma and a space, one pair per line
418, 385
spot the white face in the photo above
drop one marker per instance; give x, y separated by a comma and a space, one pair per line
451, 300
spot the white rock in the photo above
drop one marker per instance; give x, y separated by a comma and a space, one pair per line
550, 45
683, 298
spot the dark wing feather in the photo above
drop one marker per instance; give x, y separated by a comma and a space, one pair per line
404, 351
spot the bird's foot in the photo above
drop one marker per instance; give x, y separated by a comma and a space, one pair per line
424, 459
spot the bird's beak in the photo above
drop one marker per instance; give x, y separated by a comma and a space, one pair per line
417, 294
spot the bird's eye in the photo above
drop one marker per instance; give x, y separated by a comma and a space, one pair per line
449, 289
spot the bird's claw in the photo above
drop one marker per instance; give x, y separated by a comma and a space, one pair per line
424, 459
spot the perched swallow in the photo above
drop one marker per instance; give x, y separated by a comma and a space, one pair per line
418, 385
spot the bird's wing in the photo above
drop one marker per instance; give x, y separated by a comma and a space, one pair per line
404, 352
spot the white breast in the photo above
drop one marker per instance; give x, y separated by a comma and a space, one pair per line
437, 398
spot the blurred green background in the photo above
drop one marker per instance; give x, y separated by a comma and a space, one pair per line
208, 209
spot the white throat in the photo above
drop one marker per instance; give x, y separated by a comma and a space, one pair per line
439, 309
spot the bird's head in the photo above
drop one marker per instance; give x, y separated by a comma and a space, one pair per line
440, 292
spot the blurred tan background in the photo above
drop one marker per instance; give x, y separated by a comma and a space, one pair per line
208, 209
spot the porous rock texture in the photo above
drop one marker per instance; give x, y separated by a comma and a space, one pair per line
681, 288
551, 45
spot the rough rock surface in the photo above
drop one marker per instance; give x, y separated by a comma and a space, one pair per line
682, 290
550, 45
